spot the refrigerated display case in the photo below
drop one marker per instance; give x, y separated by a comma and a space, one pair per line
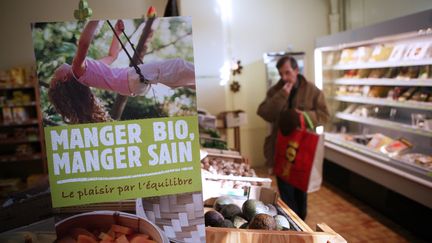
378, 85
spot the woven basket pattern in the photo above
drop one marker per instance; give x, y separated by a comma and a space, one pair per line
180, 216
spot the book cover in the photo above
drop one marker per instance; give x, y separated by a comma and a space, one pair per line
121, 129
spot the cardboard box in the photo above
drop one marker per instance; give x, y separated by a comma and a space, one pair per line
233, 118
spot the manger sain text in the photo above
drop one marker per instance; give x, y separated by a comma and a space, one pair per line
81, 150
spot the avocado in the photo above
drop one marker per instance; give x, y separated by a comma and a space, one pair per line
213, 218
252, 207
281, 222
262, 221
221, 202
238, 221
230, 210
271, 210
226, 223
244, 226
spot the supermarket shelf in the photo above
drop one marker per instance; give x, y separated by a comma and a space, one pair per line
402, 178
384, 81
384, 123
13, 124
382, 64
13, 158
33, 103
10, 87
18, 140
364, 150
385, 102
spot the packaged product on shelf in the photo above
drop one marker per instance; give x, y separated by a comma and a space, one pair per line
18, 75
420, 95
4, 78
365, 90
363, 53
19, 114
355, 90
419, 51
381, 52
347, 56
424, 72
362, 139
350, 108
407, 94
418, 120
396, 147
7, 115
377, 73
396, 92
378, 91
413, 72
363, 73
391, 72
420, 160
352, 73
329, 59
403, 73
397, 52
379, 140
24, 149
362, 110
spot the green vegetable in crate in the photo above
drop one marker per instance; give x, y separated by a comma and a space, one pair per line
252, 207
221, 202
226, 223
213, 218
262, 221
239, 221
271, 210
230, 210
281, 222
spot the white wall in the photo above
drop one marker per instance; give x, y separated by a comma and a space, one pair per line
16, 16
209, 50
260, 27
367, 12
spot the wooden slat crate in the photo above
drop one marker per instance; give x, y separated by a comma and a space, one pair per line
301, 233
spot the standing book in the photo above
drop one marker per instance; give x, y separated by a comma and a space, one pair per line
121, 129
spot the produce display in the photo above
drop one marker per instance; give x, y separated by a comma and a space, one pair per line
253, 214
221, 166
117, 234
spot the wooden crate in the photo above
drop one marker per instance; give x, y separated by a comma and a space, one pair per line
303, 233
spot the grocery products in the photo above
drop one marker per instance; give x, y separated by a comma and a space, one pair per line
396, 147
421, 160
222, 166
381, 53
379, 140
254, 214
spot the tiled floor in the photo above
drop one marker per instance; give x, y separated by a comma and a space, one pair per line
352, 219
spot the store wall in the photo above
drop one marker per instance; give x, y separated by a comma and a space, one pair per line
16, 16
367, 12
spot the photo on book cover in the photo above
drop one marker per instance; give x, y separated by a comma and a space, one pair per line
120, 122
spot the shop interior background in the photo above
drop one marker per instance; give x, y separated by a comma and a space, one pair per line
222, 30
